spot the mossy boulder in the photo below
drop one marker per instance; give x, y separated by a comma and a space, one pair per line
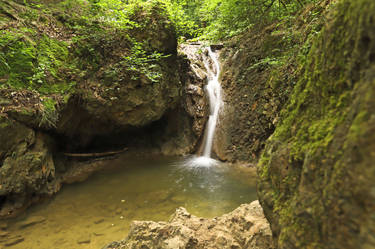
27, 169
317, 171
131, 78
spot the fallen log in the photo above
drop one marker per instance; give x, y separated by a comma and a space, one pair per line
99, 154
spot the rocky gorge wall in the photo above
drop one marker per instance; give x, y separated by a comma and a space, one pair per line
316, 173
260, 69
101, 87
299, 104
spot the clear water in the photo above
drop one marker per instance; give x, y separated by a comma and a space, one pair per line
95, 212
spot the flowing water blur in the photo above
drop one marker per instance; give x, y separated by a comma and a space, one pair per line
95, 212
213, 90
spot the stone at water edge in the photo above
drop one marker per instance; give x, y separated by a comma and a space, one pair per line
245, 227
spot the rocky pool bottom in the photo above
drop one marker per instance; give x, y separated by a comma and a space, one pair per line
98, 211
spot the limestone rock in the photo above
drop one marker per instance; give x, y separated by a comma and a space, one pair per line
27, 167
245, 227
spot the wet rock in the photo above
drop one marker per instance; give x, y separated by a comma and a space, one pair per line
245, 227
186, 124
33, 220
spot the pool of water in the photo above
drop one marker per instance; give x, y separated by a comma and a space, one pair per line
95, 212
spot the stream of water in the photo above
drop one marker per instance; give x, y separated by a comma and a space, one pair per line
213, 90
95, 212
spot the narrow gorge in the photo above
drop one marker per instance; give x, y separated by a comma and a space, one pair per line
176, 124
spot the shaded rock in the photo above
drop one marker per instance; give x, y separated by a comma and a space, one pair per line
245, 227
186, 124
27, 167
117, 100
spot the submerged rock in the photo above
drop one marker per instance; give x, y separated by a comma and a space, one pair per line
32, 220
13, 241
245, 227
84, 240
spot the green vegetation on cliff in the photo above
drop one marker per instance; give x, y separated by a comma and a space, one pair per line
76, 70
316, 171
51, 49
90, 68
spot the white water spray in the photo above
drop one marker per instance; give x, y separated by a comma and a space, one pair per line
213, 90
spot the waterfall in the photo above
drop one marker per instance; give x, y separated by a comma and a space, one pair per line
213, 90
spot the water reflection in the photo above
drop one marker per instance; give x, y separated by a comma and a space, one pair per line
95, 212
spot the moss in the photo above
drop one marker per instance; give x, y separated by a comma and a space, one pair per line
314, 174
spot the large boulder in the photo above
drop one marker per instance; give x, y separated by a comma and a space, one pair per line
317, 172
27, 169
131, 79
245, 228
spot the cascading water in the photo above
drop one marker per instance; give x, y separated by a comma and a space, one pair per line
213, 90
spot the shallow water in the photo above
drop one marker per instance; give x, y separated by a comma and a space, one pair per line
95, 212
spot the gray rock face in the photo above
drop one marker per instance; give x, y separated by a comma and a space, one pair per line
245, 227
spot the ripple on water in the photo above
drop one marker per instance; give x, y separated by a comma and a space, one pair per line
199, 162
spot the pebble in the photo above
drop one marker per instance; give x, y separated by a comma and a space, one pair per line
3, 234
98, 221
31, 221
14, 241
84, 241
3, 225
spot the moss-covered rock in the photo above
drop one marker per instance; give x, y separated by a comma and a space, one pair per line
27, 169
316, 173
260, 68
79, 70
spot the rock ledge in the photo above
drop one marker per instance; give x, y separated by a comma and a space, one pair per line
245, 227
